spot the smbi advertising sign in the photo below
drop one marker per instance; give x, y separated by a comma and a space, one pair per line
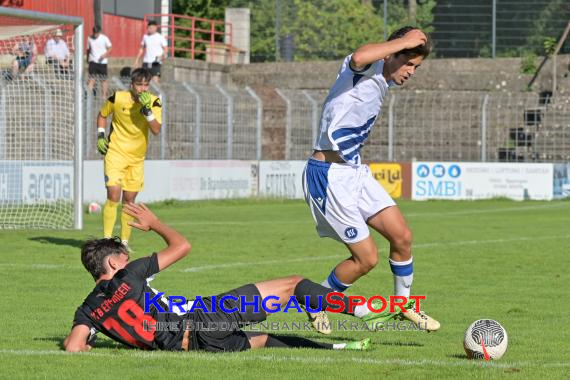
471, 180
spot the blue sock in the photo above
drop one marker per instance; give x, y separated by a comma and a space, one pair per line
403, 276
334, 283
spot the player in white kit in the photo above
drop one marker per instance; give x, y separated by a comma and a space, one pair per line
343, 196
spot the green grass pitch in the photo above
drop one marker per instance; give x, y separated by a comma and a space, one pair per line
496, 259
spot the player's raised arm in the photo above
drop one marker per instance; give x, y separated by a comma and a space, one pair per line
178, 247
373, 52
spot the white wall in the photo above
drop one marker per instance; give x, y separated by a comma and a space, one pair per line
184, 180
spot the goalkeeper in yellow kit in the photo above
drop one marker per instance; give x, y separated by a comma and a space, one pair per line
134, 113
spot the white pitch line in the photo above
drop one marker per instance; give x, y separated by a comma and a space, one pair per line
208, 357
264, 262
491, 210
39, 266
316, 257
308, 220
490, 241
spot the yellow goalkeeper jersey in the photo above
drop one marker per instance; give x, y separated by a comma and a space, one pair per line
129, 128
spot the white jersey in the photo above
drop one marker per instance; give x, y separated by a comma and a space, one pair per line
154, 45
56, 49
97, 47
350, 110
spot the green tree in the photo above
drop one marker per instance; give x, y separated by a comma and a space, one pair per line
332, 28
548, 26
321, 29
211, 9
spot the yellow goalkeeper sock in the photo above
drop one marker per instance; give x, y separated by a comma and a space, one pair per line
125, 227
109, 217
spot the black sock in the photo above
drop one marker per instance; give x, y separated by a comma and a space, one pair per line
314, 290
288, 341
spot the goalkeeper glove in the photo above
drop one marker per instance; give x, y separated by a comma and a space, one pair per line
102, 142
146, 101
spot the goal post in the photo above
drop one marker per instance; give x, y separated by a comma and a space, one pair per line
41, 120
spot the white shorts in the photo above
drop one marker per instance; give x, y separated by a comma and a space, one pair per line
342, 198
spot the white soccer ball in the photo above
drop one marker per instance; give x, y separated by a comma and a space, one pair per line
94, 208
485, 339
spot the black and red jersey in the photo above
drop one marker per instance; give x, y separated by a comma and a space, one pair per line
116, 308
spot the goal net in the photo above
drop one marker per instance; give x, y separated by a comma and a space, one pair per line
39, 102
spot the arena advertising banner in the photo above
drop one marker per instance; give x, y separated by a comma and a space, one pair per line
183, 179
561, 184
282, 179
11, 181
36, 181
394, 177
471, 180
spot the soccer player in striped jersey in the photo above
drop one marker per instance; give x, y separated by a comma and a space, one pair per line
343, 196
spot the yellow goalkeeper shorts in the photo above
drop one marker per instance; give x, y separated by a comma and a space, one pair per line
120, 172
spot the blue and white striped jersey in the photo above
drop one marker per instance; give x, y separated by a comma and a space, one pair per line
350, 109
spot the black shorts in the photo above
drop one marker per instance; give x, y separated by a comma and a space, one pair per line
98, 70
153, 67
225, 339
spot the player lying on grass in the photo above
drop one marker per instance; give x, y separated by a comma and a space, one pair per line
115, 307
343, 196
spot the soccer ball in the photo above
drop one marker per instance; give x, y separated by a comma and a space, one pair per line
485, 339
94, 208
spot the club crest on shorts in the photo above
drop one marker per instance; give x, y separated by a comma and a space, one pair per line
351, 232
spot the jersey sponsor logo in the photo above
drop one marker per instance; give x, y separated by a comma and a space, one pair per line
351, 233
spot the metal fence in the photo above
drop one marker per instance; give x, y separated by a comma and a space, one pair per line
217, 122
459, 28
449, 126
490, 28
199, 122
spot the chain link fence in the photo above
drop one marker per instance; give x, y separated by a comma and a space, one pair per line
497, 28
199, 122
217, 122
